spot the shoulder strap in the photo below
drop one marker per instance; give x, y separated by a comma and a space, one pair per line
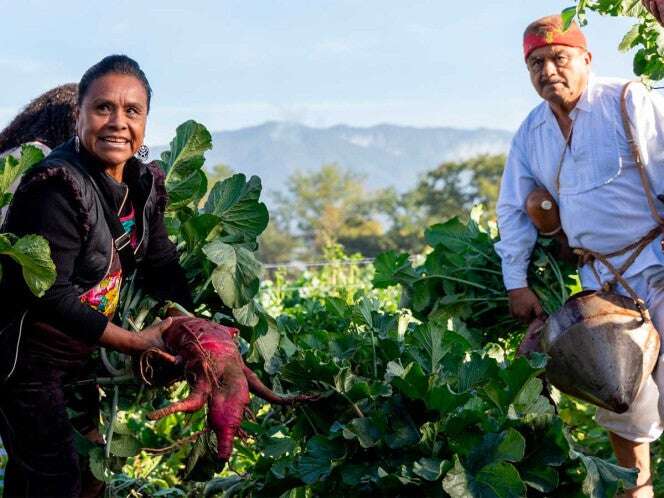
636, 154
121, 238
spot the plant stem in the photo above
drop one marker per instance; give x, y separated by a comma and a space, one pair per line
111, 422
104, 381
463, 281
175, 445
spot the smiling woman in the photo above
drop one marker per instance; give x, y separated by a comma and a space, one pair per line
101, 210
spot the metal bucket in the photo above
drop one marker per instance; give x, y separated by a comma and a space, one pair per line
602, 350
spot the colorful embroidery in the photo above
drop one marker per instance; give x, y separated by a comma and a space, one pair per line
105, 295
129, 225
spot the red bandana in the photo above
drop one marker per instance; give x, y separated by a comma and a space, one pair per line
549, 31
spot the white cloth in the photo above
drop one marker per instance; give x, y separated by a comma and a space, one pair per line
602, 206
643, 422
602, 203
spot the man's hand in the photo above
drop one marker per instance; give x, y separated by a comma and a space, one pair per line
656, 8
524, 305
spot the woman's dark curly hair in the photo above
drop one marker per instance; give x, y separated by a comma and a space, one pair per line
48, 119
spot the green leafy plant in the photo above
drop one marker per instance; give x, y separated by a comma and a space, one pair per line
31, 252
646, 35
462, 279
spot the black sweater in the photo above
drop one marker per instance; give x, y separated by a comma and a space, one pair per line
48, 211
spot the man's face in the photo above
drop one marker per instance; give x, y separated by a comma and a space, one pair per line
559, 73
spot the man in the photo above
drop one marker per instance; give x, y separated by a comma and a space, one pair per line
575, 145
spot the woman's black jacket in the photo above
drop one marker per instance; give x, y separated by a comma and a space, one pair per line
57, 201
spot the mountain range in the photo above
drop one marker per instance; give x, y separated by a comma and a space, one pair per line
385, 154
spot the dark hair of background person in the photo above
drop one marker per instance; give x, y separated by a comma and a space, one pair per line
48, 119
113, 64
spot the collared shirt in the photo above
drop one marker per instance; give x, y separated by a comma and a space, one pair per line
601, 199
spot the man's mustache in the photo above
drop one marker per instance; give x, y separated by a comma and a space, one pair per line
551, 82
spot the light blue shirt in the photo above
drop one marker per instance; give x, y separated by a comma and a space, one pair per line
602, 203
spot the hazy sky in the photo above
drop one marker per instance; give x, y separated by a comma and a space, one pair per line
231, 64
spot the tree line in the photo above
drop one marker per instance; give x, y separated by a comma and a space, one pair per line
333, 205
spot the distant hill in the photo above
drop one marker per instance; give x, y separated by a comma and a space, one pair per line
388, 155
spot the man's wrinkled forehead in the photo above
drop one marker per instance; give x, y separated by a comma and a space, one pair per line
553, 51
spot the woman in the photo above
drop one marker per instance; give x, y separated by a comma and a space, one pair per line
45, 122
63, 200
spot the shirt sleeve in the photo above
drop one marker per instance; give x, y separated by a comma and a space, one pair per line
646, 113
45, 210
517, 233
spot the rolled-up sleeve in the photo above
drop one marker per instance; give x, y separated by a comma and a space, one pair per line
517, 234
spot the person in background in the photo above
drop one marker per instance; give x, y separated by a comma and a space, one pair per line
63, 199
575, 145
45, 122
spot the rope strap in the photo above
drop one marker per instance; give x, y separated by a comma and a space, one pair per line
588, 256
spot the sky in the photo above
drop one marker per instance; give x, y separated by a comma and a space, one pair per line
232, 64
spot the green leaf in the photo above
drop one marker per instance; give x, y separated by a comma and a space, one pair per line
267, 342
278, 446
190, 190
321, 457
412, 382
235, 202
98, 465
125, 446
630, 39
602, 478
392, 268
402, 430
475, 371
182, 163
443, 399
11, 168
498, 480
568, 16
364, 430
508, 446
429, 337
33, 253
248, 315
353, 475
430, 469
543, 479
236, 278
196, 229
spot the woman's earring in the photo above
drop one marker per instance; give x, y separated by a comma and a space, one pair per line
77, 144
143, 153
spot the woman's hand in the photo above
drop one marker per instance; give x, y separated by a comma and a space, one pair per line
122, 340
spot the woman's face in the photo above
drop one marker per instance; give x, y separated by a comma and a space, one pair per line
111, 119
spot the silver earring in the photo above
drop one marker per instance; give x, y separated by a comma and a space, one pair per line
77, 144
142, 153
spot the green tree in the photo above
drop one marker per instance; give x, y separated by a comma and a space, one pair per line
447, 191
333, 205
646, 35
